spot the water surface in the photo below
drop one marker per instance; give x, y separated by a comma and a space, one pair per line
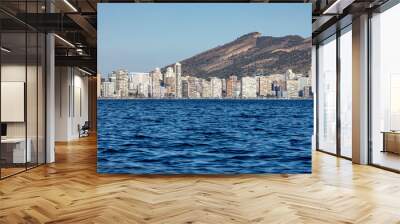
204, 136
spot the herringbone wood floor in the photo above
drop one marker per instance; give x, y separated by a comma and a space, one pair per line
70, 191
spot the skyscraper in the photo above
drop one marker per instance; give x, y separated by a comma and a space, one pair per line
170, 83
155, 77
178, 85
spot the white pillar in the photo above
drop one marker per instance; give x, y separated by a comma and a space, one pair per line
314, 90
360, 90
50, 98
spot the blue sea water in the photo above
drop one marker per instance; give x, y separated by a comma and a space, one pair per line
204, 136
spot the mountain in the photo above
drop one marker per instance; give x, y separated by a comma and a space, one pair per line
251, 54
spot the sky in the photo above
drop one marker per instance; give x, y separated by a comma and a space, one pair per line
141, 37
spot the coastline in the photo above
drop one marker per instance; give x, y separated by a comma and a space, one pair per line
221, 99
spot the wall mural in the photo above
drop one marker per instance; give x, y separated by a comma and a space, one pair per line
204, 88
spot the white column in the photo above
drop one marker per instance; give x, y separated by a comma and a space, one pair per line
50, 98
360, 90
314, 90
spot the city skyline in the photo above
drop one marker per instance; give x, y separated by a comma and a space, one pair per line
122, 84
162, 39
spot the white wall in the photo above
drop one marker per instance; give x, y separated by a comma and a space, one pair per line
71, 103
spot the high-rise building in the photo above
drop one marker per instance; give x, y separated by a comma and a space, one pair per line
206, 88
121, 83
170, 83
231, 86
265, 86
155, 83
249, 87
178, 74
141, 84
193, 87
107, 89
199, 87
223, 87
216, 87
185, 88
292, 88
131, 86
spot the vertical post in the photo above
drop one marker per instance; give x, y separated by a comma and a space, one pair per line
317, 77
50, 92
314, 90
360, 89
338, 76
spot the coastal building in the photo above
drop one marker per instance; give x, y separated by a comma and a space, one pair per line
306, 92
216, 87
107, 89
185, 88
141, 84
162, 91
206, 89
237, 90
223, 87
199, 87
249, 87
265, 86
304, 81
121, 85
155, 83
113, 79
257, 85
231, 86
170, 83
178, 80
193, 87
292, 88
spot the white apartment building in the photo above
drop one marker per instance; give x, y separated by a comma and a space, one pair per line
216, 87
249, 87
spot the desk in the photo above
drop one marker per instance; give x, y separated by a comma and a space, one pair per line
16, 147
391, 141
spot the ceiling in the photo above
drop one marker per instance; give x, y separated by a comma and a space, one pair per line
75, 21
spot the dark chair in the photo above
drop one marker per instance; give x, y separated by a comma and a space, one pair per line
84, 130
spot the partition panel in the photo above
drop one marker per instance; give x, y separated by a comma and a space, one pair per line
327, 95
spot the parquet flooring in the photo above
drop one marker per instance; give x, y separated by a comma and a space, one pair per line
70, 191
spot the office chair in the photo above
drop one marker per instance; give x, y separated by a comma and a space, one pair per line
84, 130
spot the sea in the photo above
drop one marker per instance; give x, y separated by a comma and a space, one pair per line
204, 136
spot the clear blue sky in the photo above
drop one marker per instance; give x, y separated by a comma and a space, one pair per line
140, 37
